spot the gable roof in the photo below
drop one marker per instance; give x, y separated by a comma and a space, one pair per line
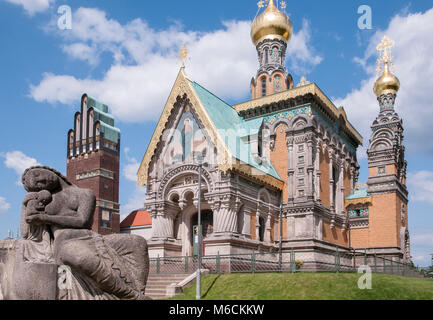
216, 115
137, 218
225, 117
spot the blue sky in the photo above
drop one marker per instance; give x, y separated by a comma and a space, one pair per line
125, 54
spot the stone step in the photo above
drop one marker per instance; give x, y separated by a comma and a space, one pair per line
155, 291
161, 284
161, 275
157, 297
169, 281
157, 284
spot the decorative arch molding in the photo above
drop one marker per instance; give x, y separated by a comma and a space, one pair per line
380, 144
264, 192
278, 123
386, 133
179, 171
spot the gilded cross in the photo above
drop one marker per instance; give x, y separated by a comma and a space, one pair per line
283, 5
183, 54
385, 53
261, 4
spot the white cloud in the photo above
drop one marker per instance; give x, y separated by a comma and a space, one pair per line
18, 161
82, 51
146, 62
300, 53
412, 59
131, 168
135, 201
33, 6
423, 239
4, 206
421, 186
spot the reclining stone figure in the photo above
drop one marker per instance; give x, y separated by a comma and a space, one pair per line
55, 225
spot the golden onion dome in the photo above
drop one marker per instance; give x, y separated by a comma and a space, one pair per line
271, 24
387, 83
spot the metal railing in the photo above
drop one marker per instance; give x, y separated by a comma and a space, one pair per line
290, 261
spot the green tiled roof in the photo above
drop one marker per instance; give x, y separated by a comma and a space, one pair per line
224, 117
359, 193
105, 119
93, 103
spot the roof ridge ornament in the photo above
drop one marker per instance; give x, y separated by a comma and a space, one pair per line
183, 53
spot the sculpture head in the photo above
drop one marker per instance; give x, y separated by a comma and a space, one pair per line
40, 178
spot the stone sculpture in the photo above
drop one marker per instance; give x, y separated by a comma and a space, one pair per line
59, 257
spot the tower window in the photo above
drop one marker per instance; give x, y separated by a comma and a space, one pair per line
277, 84
263, 80
301, 159
381, 170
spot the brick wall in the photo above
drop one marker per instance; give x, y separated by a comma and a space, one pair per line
103, 187
280, 157
335, 235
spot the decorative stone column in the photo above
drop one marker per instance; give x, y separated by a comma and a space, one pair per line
310, 168
163, 216
268, 228
340, 189
227, 216
291, 170
318, 173
331, 180
257, 225
246, 229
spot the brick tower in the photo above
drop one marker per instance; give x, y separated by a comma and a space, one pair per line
378, 210
93, 161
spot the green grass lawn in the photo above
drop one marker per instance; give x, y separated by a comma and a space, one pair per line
309, 286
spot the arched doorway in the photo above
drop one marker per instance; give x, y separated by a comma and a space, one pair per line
207, 223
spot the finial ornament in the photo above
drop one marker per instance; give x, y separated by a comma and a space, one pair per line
283, 5
303, 82
387, 83
385, 54
183, 54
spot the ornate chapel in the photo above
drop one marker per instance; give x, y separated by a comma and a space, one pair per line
286, 157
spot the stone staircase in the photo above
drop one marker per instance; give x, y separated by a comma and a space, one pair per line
157, 284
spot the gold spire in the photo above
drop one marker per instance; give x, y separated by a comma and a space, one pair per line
387, 82
183, 54
271, 24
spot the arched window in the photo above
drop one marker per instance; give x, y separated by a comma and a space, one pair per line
275, 55
266, 56
77, 128
277, 83
187, 138
335, 177
261, 229
260, 144
91, 124
263, 82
